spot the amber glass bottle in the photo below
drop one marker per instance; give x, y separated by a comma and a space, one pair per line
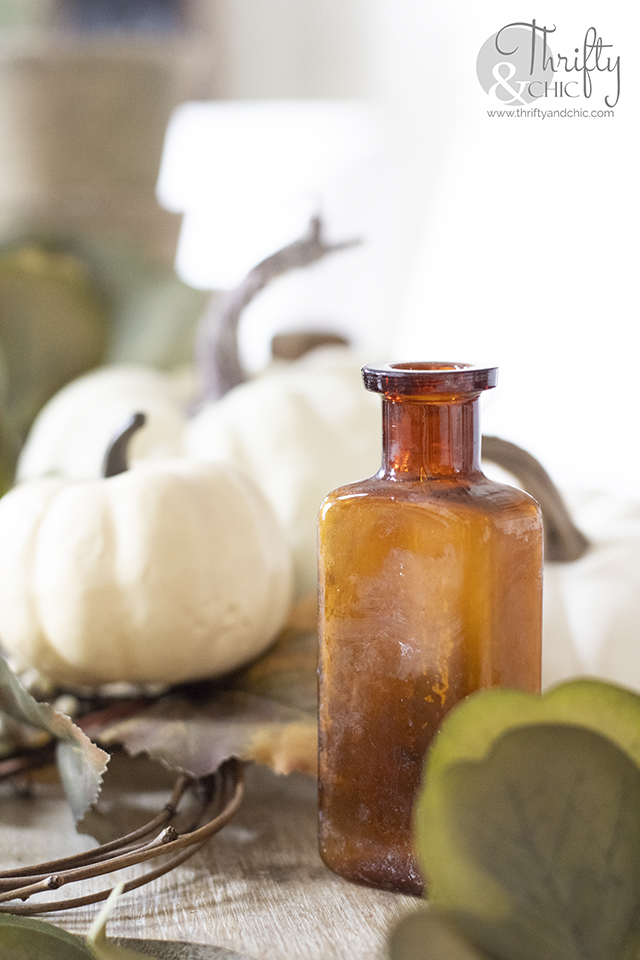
430, 588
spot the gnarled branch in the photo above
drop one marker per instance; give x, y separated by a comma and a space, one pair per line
217, 355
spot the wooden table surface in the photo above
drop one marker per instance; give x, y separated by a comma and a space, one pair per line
257, 891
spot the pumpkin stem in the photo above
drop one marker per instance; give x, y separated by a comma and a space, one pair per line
115, 459
563, 542
217, 355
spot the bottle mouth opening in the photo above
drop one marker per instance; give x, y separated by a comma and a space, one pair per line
420, 378
429, 365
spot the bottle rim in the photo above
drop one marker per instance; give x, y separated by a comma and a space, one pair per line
418, 378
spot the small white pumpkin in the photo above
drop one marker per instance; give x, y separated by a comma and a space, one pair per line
69, 436
168, 572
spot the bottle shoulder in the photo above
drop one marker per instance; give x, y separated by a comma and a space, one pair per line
477, 494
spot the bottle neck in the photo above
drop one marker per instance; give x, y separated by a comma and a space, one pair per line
430, 439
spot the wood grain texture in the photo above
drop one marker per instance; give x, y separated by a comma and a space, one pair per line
258, 889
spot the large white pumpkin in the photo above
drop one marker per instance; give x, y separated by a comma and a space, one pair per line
169, 572
300, 430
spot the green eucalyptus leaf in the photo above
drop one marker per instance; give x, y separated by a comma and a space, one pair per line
80, 762
430, 935
472, 727
543, 846
22, 938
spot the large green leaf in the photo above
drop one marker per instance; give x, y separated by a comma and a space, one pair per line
80, 762
604, 707
22, 938
471, 728
542, 840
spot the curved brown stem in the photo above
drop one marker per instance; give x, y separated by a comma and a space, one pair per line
217, 356
563, 541
115, 459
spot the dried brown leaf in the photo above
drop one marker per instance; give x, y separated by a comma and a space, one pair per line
197, 737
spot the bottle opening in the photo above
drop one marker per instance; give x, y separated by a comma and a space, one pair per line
419, 378
429, 366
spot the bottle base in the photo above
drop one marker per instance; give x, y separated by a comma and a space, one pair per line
387, 874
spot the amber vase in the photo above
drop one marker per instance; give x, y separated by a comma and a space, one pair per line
430, 581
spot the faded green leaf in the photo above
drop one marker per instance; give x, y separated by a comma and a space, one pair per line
153, 315
80, 762
53, 326
470, 729
22, 938
601, 706
543, 846
430, 935
266, 712
9, 450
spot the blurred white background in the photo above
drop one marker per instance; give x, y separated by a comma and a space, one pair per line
508, 240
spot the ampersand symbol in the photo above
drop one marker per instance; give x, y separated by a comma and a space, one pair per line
503, 82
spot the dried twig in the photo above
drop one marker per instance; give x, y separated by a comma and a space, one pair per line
224, 790
217, 355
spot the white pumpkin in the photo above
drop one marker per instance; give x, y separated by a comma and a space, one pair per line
169, 572
300, 430
592, 605
70, 434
